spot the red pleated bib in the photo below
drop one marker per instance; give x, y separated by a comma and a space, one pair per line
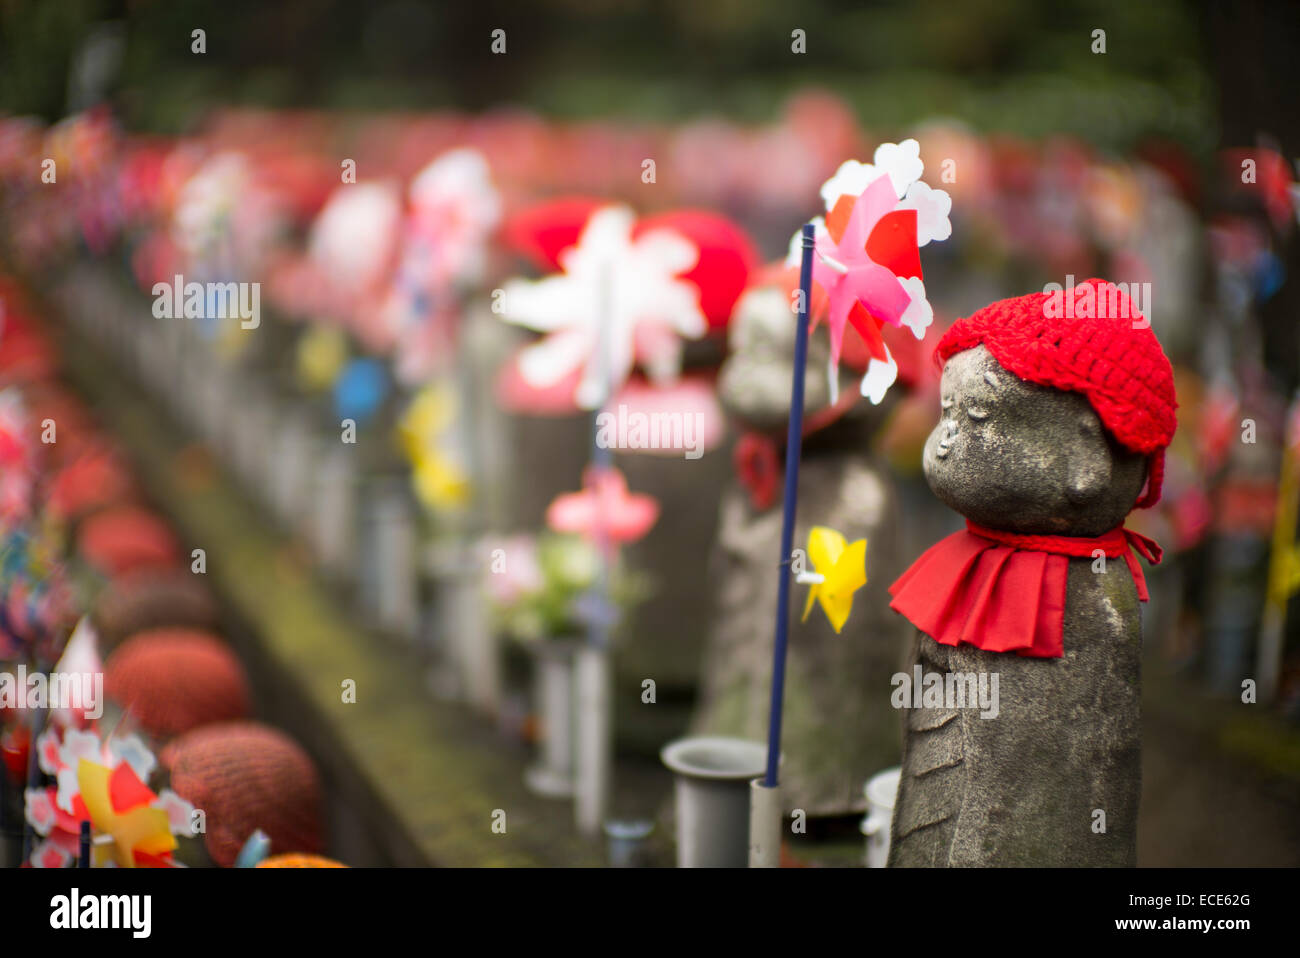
1005, 592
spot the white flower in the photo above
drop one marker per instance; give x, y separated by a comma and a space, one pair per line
880, 376
932, 209
849, 180
132, 750
355, 234
794, 255
38, 811
619, 300
49, 854
78, 745
179, 812
49, 751
901, 161
919, 313
69, 788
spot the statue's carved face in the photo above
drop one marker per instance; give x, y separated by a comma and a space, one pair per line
754, 382
1017, 456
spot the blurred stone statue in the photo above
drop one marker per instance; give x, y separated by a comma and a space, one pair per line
838, 726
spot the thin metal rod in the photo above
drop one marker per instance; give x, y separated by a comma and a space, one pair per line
792, 444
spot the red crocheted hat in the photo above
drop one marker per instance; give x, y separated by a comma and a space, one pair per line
1084, 340
245, 776
177, 679
122, 539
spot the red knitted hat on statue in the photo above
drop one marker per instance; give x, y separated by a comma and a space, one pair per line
177, 679
247, 776
1087, 339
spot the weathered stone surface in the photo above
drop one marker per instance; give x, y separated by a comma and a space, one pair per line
1025, 788
839, 728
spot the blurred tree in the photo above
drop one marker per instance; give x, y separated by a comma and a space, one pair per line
1017, 65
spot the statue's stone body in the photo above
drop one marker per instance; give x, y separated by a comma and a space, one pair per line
1054, 778
839, 728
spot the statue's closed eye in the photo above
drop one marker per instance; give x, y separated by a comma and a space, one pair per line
978, 413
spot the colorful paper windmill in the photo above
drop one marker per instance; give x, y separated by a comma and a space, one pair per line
628, 293
868, 260
103, 783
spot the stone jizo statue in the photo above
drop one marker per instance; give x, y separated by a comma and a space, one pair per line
839, 728
1051, 430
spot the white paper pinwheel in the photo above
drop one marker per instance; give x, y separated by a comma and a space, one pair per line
619, 302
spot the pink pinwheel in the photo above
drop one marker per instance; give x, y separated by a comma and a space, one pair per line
857, 285
604, 509
868, 254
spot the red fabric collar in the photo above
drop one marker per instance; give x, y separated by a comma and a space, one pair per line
759, 457
1003, 591
757, 461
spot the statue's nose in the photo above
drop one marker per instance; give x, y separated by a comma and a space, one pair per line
1089, 478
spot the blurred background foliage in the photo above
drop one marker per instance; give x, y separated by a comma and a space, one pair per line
1018, 66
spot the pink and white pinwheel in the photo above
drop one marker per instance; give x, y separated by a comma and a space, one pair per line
225, 220
105, 783
604, 509
619, 302
868, 260
354, 241
444, 247
454, 209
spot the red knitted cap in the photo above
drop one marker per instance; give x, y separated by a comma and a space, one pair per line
177, 679
121, 539
245, 776
1083, 340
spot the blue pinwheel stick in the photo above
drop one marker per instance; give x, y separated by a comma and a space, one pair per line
792, 442
83, 849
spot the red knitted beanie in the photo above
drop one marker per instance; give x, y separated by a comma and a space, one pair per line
1083, 340
176, 679
122, 539
245, 776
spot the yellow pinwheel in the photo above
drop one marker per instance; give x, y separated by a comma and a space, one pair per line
139, 828
322, 352
439, 480
839, 570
